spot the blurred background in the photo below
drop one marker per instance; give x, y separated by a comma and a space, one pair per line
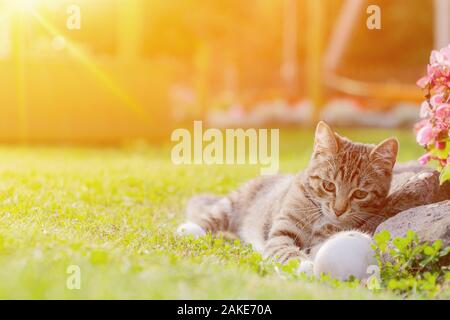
136, 69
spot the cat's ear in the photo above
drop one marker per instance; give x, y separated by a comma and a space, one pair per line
386, 152
325, 139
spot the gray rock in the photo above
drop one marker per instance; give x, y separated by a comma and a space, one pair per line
410, 188
416, 202
430, 222
421, 178
411, 167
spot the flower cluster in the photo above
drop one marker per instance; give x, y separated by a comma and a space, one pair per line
433, 130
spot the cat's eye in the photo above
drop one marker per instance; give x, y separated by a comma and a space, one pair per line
360, 194
329, 186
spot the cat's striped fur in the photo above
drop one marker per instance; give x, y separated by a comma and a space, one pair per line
286, 217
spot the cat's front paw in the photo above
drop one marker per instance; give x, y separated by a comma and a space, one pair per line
190, 228
306, 267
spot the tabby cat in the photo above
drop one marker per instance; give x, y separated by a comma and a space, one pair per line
288, 216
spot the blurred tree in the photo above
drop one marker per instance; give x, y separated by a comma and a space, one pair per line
244, 33
400, 49
245, 38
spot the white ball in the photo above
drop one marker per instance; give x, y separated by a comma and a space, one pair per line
345, 254
190, 228
306, 267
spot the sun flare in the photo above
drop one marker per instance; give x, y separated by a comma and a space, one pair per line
24, 5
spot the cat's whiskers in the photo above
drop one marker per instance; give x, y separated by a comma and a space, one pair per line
302, 210
309, 221
371, 215
362, 221
302, 226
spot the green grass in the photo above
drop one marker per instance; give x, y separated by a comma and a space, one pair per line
113, 213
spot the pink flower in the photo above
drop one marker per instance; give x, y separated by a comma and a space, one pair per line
425, 135
424, 82
446, 52
419, 125
434, 72
425, 110
440, 145
440, 127
425, 159
440, 88
443, 111
436, 100
433, 128
441, 57
435, 57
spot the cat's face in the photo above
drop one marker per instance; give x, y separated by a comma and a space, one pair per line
349, 181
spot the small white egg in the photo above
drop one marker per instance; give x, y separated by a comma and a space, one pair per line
345, 254
306, 267
190, 228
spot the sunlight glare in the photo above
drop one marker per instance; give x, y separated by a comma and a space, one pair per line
25, 5
128, 101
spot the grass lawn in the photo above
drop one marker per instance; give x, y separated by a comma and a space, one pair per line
113, 212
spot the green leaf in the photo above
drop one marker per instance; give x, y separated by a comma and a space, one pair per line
445, 174
441, 153
445, 252
437, 245
429, 251
382, 239
447, 276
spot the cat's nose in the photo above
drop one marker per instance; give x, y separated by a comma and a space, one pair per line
339, 211
340, 206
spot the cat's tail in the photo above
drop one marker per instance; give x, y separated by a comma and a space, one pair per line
210, 212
